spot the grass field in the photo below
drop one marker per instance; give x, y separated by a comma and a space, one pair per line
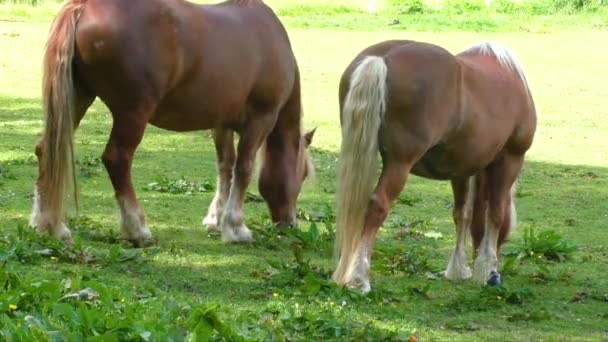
535, 16
274, 289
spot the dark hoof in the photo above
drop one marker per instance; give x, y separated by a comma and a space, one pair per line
142, 243
285, 225
495, 279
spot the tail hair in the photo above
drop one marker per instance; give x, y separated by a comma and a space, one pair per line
58, 93
362, 117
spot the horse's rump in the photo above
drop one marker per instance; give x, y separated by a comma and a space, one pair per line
187, 58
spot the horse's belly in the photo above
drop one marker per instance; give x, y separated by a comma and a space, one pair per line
431, 169
183, 119
194, 113
442, 163
428, 169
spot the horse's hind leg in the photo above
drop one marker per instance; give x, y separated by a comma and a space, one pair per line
391, 182
127, 132
501, 176
224, 148
39, 217
252, 134
478, 223
464, 197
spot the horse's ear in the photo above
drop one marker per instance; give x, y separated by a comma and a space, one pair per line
308, 136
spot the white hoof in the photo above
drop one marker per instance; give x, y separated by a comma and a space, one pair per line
236, 234
360, 284
458, 268
140, 238
358, 277
213, 229
212, 224
482, 270
63, 233
458, 274
210, 219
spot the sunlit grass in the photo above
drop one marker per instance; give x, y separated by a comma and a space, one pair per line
564, 188
539, 16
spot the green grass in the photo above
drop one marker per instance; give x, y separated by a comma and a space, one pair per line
276, 288
539, 16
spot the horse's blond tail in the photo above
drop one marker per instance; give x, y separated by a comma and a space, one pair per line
362, 117
58, 96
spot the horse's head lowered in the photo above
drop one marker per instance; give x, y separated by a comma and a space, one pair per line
280, 182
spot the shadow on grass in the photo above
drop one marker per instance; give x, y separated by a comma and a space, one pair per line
551, 188
568, 198
15, 109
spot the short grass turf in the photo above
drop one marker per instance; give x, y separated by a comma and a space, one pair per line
263, 291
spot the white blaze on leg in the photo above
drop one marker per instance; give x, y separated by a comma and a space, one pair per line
36, 218
487, 258
358, 274
42, 221
232, 227
216, 209
213, 214
458, 269
132, 222
513, 218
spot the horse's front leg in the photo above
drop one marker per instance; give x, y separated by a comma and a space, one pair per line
252, 134
127, 132
501, 177
464, 200
224, 148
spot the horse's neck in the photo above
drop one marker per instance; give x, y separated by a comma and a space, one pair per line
279, 139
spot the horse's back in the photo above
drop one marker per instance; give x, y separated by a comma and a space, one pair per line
203, 64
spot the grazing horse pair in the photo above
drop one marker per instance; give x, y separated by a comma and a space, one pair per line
182, 67
229, 67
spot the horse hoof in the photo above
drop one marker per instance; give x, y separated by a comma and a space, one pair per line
494, 279
357, 283
285, 225
463, 273
212, 224
139, 239
63, 233
213, 229
143, 243
364, 288
240, 234
210, 220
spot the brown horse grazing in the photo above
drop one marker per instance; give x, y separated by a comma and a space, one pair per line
182, 67
468, 118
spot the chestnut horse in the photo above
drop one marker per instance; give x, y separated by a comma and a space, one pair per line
182, 67
468, 118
